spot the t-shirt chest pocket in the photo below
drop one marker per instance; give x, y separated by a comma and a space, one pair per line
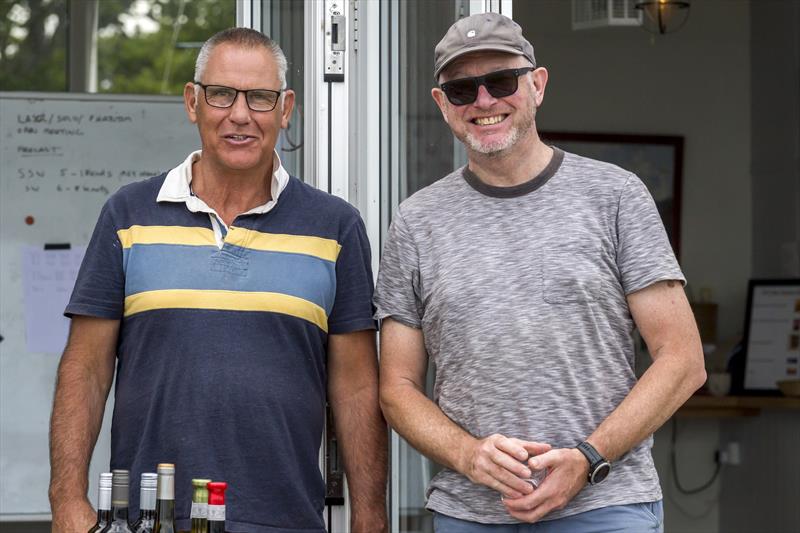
572, 274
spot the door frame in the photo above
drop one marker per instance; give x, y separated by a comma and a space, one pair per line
352, 131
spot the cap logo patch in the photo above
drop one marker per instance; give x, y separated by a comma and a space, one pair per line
471, 33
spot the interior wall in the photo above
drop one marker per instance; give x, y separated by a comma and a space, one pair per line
694, 83
762, 494
775, 64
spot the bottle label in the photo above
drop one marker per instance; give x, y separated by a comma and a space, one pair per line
200, 510
216, 513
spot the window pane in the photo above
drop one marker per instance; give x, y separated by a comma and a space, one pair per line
426, 153
427, 141
33, 45
283, 21
143, 46
149, 46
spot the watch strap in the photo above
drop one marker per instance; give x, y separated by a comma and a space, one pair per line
591, 454
598, 465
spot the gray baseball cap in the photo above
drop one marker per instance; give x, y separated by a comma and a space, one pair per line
486, 31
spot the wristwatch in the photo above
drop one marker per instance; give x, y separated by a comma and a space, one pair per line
599, 468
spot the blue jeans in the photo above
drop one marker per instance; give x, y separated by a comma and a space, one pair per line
632, 518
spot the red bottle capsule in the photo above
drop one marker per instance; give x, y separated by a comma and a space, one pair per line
216, 506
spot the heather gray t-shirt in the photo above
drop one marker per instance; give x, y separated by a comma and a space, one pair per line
520, 293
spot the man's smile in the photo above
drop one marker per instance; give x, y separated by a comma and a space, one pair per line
489, 121
238, 138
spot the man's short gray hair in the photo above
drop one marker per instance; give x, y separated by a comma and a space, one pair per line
244, 37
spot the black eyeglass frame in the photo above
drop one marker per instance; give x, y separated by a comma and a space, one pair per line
481, 80
246, 96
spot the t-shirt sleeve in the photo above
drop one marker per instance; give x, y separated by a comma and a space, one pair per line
100, 288
397, 293
644, 253
352, 309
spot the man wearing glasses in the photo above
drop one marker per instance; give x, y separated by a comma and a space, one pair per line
522, 277
234, 301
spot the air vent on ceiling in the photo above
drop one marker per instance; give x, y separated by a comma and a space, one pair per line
604, 13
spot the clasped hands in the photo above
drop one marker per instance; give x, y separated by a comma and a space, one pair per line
506, 464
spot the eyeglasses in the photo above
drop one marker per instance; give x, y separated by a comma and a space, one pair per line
257, 99
500, 83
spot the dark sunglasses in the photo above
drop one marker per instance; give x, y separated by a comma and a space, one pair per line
500, 83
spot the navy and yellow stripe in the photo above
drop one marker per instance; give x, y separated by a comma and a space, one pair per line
221, 300
182, 267
180, 235
327, 249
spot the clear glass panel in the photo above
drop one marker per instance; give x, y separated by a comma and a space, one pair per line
150, 46
282, 21
415, 472
427, 150
33, 45
424, 150
143, 46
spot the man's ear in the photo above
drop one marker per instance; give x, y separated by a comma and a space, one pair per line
190, 101
287, 105
441, 101
540, 76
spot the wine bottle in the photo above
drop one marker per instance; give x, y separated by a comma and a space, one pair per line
147, 504
216, 506
103, 503
165, 504
120, 487
200, 505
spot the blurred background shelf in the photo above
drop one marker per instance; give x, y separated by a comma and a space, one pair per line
730, 406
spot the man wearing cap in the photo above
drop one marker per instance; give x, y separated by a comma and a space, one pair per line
522, 276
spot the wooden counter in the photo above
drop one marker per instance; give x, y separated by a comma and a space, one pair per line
728, 406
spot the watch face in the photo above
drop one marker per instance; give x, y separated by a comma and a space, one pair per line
600, 473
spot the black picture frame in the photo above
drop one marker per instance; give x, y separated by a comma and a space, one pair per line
656, 159
754, 331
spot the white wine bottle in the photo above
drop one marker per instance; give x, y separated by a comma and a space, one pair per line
165, 505
103, 503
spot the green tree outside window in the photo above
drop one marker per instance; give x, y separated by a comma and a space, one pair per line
144, 46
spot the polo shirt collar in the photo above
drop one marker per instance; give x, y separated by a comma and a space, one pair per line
177, 186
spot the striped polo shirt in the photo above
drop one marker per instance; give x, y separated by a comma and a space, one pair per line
221, 360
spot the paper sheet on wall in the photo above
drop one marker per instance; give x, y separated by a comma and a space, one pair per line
773, 346
47, 278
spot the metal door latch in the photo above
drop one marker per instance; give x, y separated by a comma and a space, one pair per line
335, 39
334, 473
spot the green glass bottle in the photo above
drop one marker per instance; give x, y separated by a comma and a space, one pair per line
165, 504
200, 505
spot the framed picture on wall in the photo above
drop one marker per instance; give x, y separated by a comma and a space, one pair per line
656, 159
772, 334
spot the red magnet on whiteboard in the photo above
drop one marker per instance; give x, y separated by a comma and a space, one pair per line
29, 220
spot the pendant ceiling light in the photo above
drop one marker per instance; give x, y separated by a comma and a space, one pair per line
663, 16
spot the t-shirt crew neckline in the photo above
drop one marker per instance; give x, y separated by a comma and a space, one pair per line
516, 190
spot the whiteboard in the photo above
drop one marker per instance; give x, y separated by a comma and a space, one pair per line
61, 156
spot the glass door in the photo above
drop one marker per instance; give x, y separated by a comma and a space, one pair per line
418, 149
284, 21
320, 39
365, 128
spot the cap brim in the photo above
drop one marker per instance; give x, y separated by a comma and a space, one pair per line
485, 47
